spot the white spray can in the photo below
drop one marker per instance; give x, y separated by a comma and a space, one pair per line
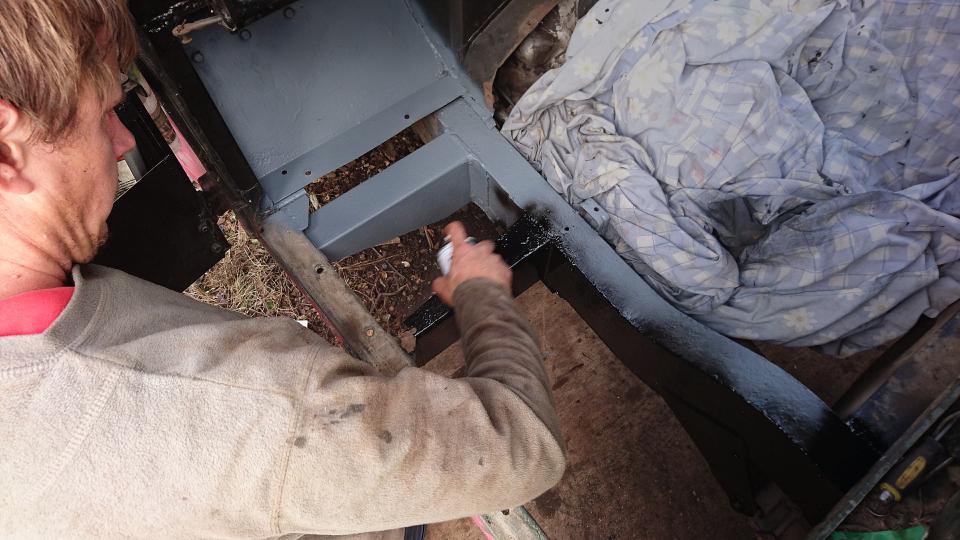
445, 255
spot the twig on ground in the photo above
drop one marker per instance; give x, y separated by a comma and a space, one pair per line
366, 263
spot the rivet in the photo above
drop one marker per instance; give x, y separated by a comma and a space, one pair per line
197, 57
369, 332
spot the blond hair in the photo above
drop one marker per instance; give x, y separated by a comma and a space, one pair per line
49, 49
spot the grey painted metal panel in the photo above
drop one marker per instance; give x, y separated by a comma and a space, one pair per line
294, 84
424, 187
351, 144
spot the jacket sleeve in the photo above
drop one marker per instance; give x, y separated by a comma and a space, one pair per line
376, 453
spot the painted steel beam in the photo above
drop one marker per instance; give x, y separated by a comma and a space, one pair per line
426, 186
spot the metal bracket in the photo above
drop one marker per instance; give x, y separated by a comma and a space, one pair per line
595, 215
183, 29
426, 186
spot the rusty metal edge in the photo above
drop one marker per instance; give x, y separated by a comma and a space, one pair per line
495, 43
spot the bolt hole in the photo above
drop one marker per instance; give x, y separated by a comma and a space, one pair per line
283, 171
595, 209
406, 117
606, 10
318, 269
307, 172
566, 229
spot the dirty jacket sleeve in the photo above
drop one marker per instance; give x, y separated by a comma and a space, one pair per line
374, 453
141, 413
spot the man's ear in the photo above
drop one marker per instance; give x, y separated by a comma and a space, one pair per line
12, 161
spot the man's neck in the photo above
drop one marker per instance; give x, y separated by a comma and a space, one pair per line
25, 268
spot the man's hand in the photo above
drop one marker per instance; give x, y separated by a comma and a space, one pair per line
470, 261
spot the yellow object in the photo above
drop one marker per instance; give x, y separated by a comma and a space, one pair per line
911, 472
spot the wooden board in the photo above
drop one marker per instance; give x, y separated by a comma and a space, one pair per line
632, 471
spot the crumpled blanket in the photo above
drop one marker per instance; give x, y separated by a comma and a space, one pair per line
781, 170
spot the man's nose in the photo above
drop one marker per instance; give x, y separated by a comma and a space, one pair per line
123, 140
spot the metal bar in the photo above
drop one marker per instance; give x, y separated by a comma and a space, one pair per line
308, 92
426, 186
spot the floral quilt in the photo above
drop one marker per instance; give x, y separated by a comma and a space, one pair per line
780, 170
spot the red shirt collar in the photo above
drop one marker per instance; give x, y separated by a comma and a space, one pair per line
32, 312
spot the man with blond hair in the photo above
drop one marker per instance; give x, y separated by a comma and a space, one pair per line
128, 410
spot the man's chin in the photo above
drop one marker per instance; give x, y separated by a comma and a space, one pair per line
102, 239
99, 241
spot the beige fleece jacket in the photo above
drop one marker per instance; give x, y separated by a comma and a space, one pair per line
141, 413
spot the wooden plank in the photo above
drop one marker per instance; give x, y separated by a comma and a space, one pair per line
515, 524
316, 277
